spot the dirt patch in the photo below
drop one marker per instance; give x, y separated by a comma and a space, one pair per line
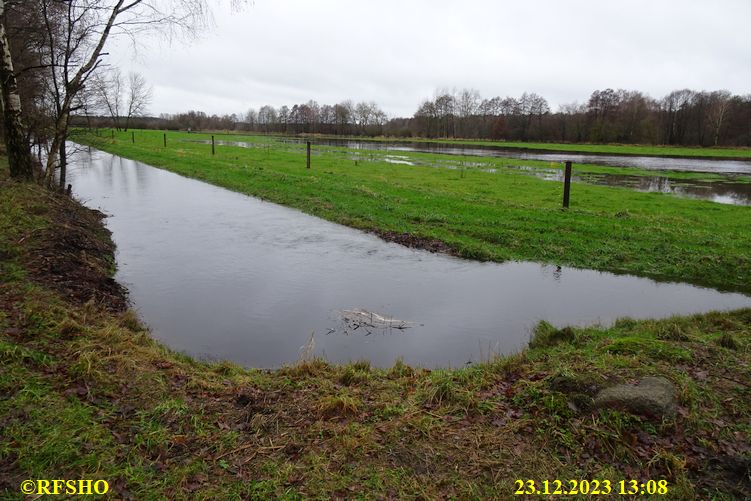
75, 255
416, 242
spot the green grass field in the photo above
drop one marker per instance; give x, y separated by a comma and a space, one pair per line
490, 216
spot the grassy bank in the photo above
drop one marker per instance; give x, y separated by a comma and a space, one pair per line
86, 393
499, 216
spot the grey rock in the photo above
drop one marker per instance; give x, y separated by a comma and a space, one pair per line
586, 385
653, 397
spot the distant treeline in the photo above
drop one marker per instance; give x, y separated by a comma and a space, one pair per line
683, 117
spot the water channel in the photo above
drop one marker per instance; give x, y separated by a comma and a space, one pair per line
220, 275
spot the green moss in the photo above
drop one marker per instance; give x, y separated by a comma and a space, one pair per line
649, 348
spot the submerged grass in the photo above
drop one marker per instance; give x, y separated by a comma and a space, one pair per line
727, 152
490, 216
613, 149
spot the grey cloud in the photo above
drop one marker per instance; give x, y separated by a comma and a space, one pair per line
396, 53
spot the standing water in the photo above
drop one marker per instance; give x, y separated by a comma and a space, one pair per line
693, 164
221, 275
733, 186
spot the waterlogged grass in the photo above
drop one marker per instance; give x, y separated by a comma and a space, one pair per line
467, 161
498, 216
87, 393
741, 153
613, 149
472, 162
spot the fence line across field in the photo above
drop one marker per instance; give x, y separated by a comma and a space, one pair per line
566, 175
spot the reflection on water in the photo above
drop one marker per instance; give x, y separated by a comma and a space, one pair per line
720, 191
221, 275
726, 191
642, 162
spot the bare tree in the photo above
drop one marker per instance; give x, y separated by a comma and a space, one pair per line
720, 102
282, 116
267, 118
107, 88
674, 107
327, 118
313, 110
445, 107
139, 97
77, 32
467, 105
251, 118
362, 115
121, 99
343, 113
16, 141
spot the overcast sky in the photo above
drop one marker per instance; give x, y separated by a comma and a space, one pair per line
399, 52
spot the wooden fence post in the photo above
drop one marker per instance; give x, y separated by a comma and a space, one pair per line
132, 137
567, 184
165, 139
212, 145
308, 154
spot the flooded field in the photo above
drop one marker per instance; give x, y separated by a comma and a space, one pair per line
734, 188
727, 191
221, 275
641, 162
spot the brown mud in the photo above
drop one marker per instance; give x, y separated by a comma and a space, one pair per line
417, 242
74, 255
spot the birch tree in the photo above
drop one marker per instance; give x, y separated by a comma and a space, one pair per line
76, 33
16, 141
720, 102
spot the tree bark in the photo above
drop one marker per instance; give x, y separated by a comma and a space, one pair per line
16, 143
61, 130
63, 164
